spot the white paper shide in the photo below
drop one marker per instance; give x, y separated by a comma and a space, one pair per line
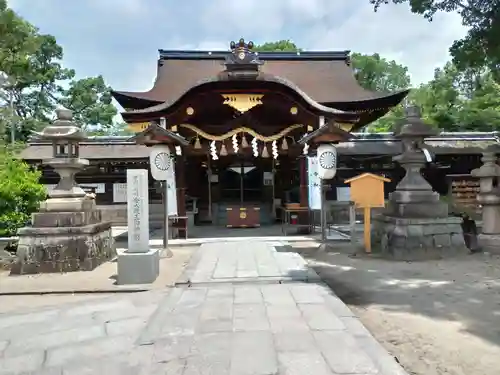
138, 210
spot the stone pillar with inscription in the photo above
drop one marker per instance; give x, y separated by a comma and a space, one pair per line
138, 264
67, 234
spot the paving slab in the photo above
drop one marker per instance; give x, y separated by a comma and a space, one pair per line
254, 261
215, 325
266, 329
100, 280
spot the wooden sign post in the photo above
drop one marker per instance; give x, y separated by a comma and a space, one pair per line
367, 192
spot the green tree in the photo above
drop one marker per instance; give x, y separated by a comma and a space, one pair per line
90, 101
481, 45
279, 46
480, 111
32, 61
456, 100
20, 192
376, 73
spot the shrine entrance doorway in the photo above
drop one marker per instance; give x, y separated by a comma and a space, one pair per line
244, 192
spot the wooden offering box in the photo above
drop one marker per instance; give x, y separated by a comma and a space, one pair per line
243, 216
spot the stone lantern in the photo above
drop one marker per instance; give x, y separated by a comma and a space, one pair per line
415, 224
489, 198
414, 196
65, 137
67, 234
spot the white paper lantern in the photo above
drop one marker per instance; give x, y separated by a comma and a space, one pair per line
327, 161
161, 162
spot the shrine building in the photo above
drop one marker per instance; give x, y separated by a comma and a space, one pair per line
234, 120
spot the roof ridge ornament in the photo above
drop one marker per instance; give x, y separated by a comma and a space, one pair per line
242, 61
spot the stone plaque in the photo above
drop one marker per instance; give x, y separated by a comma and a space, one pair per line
119, 193
138, 210
343, 194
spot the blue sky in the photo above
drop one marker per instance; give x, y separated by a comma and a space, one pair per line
120, 38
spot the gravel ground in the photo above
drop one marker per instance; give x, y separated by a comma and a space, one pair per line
435, 317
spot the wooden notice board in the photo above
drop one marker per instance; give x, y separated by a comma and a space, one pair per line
367, 192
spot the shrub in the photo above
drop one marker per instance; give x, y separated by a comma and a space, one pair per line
20, 193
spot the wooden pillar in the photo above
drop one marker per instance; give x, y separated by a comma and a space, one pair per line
304, 217
304, 201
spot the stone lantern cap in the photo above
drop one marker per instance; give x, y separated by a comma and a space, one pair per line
490, 168
63, 128
413, 126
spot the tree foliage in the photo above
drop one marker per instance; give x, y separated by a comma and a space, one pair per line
38, 82
20, 192
280, 45
376, 73
90, 101
481, 46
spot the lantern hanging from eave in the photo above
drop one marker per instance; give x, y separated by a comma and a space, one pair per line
327, 161
161, 163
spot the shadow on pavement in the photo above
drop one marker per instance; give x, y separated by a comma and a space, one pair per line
464, 289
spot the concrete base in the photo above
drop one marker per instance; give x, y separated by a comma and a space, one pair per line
138, 268
489, 243
418, 239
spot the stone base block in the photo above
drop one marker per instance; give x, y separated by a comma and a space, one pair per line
138, 268
418, 239
66, 219
63, 249
433, 209
489, 243
67, 204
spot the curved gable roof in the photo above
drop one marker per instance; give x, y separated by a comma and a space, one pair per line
325, 77
222, 77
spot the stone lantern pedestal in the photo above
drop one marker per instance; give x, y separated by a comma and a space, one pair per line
415, 224
67, 234
489, 198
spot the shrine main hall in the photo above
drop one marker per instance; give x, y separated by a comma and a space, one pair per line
240, 124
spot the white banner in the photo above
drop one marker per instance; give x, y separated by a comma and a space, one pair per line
172, 193
138, 210
314, 183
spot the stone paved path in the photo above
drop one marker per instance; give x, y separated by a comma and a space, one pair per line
251, 261
242, 327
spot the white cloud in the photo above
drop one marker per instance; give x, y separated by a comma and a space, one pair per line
120, 38
131, 8
396, 34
